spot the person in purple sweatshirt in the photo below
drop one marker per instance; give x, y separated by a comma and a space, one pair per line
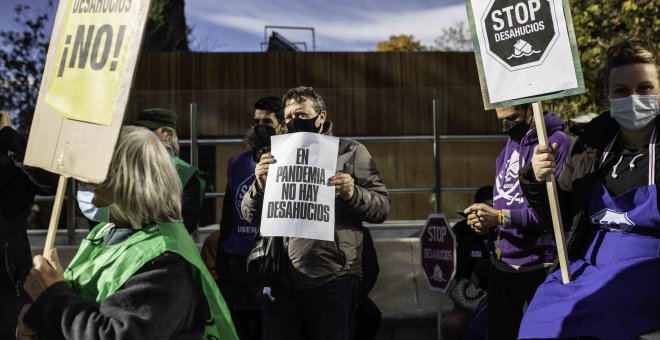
523, 246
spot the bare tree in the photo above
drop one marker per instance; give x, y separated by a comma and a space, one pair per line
454, 38
203, 43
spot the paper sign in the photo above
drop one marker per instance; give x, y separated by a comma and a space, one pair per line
87, 78
525, 49
298, 202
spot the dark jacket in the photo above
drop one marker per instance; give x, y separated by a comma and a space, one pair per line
576, 181
470, 249
524, 240
316, 262
160, 301
237, 238
192, 195
18, 186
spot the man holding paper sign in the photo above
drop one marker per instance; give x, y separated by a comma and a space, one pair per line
317, 292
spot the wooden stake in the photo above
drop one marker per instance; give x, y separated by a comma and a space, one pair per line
551, 185
55, 215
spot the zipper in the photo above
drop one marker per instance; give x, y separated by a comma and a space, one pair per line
11, 271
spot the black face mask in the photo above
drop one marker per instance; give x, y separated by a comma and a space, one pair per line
303, 125
515, 129
262, 134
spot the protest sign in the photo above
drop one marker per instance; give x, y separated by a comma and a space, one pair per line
525, 50
87, 78
438, 245
88, 73
298, 202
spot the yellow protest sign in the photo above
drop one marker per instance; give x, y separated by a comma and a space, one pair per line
90, 58
87, 79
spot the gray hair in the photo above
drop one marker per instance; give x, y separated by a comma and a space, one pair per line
142, 182
174, 139
302, 93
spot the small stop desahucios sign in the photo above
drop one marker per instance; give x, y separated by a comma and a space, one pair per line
438, 245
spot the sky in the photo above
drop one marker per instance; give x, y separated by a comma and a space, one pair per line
339, 25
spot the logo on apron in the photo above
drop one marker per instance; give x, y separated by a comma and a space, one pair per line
611, 217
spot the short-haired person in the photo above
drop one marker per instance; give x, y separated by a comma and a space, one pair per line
163, 123
319, 288
608, 195
237, 235
139, 276
524, 246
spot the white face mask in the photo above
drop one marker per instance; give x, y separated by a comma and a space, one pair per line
88, 208
634, 112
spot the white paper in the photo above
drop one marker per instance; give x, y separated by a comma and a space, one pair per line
298, 202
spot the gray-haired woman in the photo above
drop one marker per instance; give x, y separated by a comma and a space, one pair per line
139, 276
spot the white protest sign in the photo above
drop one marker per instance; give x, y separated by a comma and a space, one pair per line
298, 202
87, 79
525, 50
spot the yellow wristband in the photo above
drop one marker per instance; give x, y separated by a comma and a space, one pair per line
500, 217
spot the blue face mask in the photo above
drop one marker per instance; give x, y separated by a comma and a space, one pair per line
88, 208
634, 112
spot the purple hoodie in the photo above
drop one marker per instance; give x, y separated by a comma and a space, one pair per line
523, 240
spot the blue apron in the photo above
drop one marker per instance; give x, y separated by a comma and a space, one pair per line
615, 287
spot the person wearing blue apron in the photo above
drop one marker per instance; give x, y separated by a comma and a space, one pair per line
619, 271
608, 196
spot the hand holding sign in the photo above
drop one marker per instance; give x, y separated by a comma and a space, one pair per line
261, 170
543, 161
344, 185
46, 272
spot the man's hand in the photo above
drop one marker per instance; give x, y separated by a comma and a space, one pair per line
543, 161
45, 273
4, 119
344, 185
23, 332
261, 170
481, 217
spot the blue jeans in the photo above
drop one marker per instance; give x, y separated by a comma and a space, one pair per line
321, 313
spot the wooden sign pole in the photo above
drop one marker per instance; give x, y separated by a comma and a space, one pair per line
55, 215
551, 185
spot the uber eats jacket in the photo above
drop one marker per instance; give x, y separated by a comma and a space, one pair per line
315, 262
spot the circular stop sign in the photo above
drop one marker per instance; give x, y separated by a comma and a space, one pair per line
438, 244
519, 33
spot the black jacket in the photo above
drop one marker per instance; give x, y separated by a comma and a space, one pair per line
18, 186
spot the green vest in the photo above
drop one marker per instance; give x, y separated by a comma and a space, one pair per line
97, 270
186, 171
